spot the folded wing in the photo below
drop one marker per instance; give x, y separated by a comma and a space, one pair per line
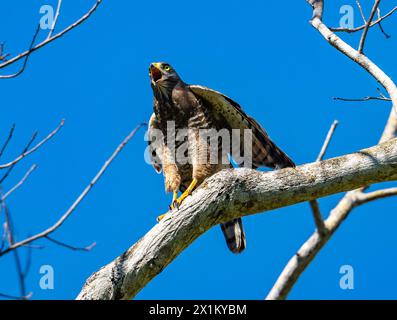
231, 115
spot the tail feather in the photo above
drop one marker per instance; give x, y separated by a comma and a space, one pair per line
234, 235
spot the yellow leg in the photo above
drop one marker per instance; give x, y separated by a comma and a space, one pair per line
184, 195
176, 202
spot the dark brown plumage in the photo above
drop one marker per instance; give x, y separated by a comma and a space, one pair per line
197, 109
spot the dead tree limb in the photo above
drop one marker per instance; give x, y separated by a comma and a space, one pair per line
230, 194
299, 262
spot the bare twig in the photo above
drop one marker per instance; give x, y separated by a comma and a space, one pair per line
381, 27
20, 183
65, 245
314, 205
28, 262
327, 140
308, 251
318, 218
3, 56
365, 32
375, 195
361, 11
37, 146
54, 37
374, 23
75, 204
26, 148
55, 19
5, 145
368, 98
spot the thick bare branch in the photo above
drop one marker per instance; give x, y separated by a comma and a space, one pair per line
366, 64
375, 195
327, 141
3, 55
227, 195
314, 244
25, 149
308, 251
368, 98
387, 36
70, 247
361, 11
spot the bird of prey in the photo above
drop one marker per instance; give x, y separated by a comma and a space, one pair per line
196, 108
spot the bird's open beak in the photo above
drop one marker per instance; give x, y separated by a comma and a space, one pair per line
155, 72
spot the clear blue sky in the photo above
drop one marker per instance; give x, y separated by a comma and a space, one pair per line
266, 57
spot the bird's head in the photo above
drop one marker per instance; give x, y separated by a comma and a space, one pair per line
163, 79
161, 73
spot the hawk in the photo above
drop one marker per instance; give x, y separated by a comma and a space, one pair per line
194, 108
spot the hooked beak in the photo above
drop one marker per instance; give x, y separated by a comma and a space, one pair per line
155, 72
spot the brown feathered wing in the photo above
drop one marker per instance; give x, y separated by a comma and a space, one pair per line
229, 112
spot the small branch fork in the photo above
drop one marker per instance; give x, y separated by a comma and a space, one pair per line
50, 38
381, 97
308, 251
8, 242
35, 148
360, 28
8, 234
72, 208
367, 25
14, 75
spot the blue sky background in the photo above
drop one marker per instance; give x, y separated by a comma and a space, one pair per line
266, 57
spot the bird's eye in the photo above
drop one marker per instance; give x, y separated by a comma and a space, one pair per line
167, 68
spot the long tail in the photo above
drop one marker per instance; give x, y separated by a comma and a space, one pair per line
234, 234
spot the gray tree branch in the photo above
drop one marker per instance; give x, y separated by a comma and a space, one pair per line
231, 194
299, 262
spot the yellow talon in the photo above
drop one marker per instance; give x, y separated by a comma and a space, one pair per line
159, 218
174, 199
187, 193
176, 202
